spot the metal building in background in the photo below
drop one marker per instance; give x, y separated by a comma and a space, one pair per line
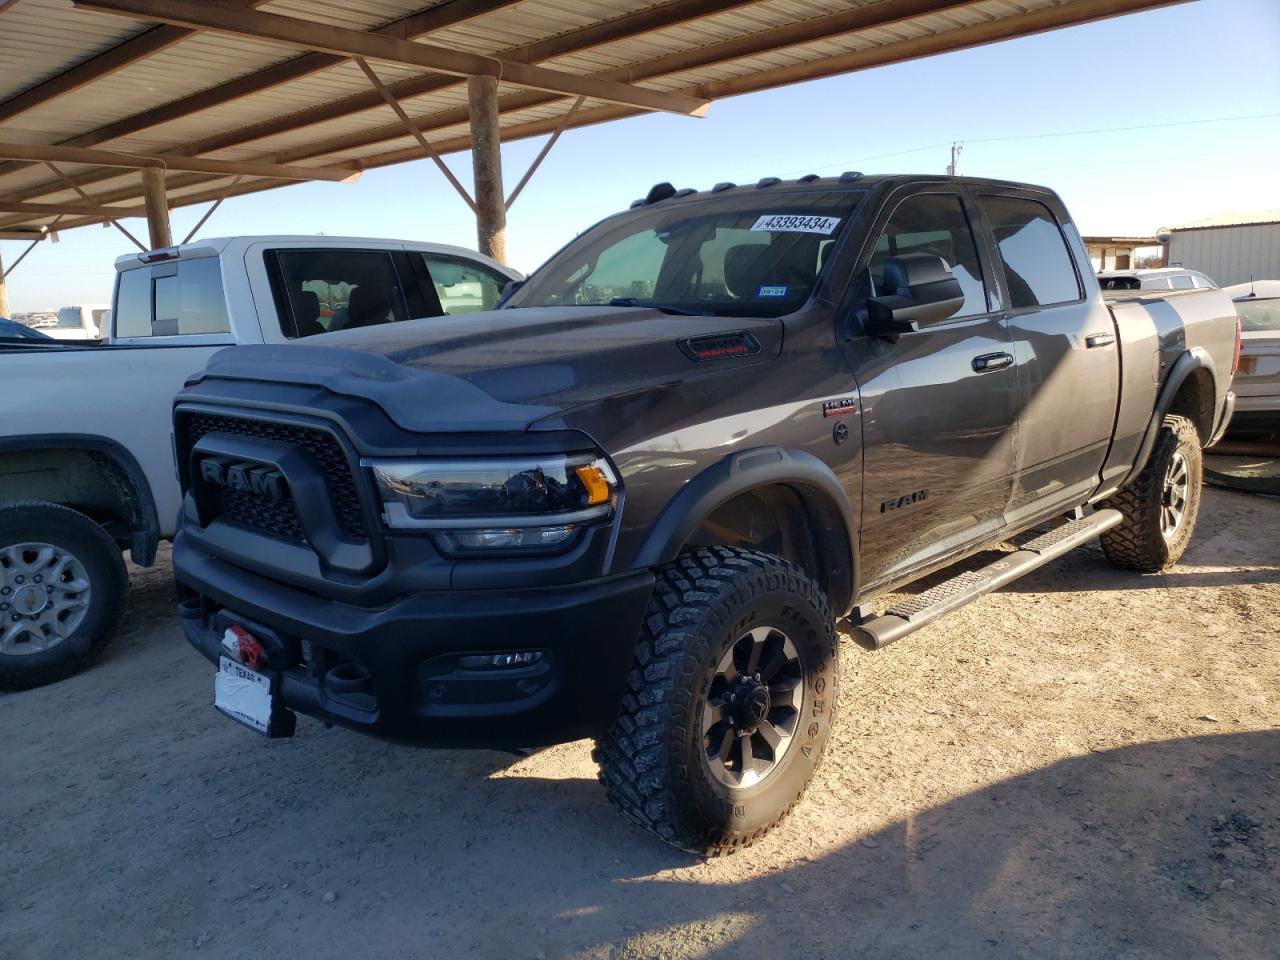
1231, 249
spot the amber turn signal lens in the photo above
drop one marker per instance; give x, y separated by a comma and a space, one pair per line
597, 484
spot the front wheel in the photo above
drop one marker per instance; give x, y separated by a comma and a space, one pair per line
62, 588
729, 702
1161, 505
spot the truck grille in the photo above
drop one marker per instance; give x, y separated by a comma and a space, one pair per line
279, 518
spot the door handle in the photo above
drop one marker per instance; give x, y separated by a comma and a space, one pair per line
992, 361
1099, 340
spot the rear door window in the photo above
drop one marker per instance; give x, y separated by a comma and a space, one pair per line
463, 287
133, 304
171, 299
1182, 281
317, 291
1037, 262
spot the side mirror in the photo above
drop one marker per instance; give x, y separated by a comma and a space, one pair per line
510, 287
920, 290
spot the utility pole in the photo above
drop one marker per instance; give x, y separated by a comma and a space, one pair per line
956, 148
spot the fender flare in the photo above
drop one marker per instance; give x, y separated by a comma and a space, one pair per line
1196, 358
833, 517
146, 530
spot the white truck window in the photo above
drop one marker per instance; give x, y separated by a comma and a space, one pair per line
133, 304
1037, 263
321, 290
172, 300
463, 287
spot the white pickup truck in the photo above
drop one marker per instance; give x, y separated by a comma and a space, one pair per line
86, 455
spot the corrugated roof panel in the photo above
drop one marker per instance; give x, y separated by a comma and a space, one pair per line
42, 38
531, 20
39, 38
187, 67
348, 14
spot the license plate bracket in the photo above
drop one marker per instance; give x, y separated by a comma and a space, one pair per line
250, 698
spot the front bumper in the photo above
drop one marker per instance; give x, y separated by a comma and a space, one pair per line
393, 671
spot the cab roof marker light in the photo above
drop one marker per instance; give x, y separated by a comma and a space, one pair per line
809, 178
767, 182
687, 191
722, 186
659, 192
850, 176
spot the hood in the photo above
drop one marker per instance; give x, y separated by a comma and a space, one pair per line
506, 369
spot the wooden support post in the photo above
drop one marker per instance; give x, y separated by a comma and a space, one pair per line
153, 194
486, 163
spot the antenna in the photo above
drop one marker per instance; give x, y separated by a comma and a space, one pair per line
956, 149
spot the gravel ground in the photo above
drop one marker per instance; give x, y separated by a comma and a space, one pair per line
1084, 765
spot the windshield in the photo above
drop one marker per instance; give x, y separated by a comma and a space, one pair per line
751, 255
13, 332
1259, 314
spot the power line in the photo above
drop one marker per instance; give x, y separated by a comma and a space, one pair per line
1036, 136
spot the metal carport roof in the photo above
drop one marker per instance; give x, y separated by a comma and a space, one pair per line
221, 98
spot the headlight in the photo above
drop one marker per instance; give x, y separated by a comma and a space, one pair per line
496, 504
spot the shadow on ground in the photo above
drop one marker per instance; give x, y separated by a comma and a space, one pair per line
199, 835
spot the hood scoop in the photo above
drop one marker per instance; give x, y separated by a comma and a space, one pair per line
720, 346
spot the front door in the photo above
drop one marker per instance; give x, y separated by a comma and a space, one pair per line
1068, 372
939, 404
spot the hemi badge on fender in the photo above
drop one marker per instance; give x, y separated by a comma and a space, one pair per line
839, 408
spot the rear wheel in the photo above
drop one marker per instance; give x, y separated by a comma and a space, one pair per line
1161, 505
62, 588
729, 701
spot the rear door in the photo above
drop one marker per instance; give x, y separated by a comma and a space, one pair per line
938, 404
1068, 366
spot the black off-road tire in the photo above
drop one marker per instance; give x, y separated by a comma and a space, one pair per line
1139, 543
653, 760
75, 534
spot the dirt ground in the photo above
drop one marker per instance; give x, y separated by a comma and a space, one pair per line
1084, 765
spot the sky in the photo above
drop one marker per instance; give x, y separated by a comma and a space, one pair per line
1139, 122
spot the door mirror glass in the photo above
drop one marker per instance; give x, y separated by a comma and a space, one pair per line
918, 289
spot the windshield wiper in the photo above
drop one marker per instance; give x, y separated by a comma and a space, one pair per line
664, 307
33, 342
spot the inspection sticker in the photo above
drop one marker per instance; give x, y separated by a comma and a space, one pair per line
796, 223
772, 290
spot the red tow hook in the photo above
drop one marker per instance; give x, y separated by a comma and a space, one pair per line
252, 653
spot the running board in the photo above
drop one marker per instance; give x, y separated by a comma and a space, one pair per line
912, 613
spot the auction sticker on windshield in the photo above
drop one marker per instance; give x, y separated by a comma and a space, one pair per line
796, 223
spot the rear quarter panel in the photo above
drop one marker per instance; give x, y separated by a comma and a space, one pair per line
1155, 329
121, 394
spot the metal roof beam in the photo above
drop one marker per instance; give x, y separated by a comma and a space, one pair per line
326, 38
110, 158
435, 18
574, 41
610, 31
1039, 21
78, 209
818, 28
34, 234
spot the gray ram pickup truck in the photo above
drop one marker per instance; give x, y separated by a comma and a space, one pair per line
632, 503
